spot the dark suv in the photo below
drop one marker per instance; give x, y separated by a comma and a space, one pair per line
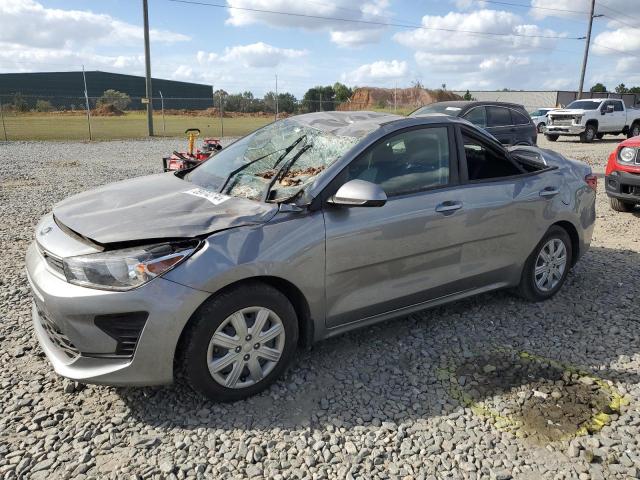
508, 122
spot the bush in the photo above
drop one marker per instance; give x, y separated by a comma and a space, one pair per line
115, 98
19, 103
43, 106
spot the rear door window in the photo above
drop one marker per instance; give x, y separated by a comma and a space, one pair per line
477, 116
498, 117
484, 162
519, 118
617, 106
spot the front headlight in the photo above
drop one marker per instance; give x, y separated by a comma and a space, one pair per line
627, 154
128, 268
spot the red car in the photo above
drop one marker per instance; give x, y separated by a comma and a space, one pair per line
622, 176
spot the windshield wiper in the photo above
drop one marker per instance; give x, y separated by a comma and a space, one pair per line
242, 167
280, 174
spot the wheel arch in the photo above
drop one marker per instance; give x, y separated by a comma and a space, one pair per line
288, 289
593, 122
572, 231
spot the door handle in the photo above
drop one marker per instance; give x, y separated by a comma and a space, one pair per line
549, 192
448, 206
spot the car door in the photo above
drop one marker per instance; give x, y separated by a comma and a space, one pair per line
477, 116
606, 122
380, 259
525, 131
499, 124
619, 116
505, 209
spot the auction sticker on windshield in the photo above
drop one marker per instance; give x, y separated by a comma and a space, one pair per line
214, 197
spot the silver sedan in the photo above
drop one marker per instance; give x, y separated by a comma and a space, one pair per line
304, 229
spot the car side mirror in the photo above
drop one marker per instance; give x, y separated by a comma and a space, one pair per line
359, 193
607, 109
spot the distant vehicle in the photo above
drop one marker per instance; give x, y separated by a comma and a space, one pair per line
304, 229
592, 118
539, 118
509, 123
622, 175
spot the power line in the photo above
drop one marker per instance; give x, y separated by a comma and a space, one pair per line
619, 21
372, 22
616, 50
618, 12
532, 7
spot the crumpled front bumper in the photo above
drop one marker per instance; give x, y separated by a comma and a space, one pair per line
64, 323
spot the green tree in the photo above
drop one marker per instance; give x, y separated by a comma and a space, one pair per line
342, 92
19, 103
287, 102
622, 89
634, 90
598, 87
119, 100
467, 95
43, 106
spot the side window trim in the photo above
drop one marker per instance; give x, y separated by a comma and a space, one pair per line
454, 162
464, 176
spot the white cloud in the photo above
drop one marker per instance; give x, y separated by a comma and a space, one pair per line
503, 63
29, 23
377, 71
439, 34
305, 15
255, 55
625, 39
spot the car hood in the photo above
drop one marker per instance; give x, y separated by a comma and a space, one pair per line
156, 207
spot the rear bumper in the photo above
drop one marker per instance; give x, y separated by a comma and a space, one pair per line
564, 130
624, 186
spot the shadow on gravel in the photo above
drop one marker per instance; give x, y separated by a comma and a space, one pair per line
435, 362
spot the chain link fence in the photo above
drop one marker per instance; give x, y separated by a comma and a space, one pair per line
25, 117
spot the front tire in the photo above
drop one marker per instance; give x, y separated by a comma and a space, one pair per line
541, 126
589, 134
619, 205
238, 342
634, 131
552, 138
546, 269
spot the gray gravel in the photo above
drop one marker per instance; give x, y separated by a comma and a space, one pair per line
445, 393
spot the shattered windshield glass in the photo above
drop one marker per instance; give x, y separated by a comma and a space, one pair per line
247, 167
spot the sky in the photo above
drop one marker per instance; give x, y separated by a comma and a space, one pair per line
464, 44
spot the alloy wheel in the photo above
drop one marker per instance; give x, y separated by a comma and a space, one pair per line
246, 347
550, 265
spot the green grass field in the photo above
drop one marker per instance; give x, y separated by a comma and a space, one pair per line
132, 125
52, 126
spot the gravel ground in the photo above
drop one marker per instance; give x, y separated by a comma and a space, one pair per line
490, 387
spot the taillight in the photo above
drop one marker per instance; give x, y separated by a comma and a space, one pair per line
592, 181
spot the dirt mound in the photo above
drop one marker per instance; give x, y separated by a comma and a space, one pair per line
107, 110
367, 98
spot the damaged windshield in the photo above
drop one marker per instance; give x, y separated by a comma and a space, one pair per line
274, 163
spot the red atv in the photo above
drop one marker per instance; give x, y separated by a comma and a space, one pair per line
622, 176
190, 158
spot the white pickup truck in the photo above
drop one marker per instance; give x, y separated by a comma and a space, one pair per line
593, 118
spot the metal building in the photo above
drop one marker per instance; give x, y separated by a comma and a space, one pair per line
540, 99
66, 89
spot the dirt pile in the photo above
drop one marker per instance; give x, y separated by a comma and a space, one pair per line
367, 98
107, 110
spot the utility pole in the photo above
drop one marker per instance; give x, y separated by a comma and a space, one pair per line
395, 97
276, 96
586, 48
86, 99
147, 66
321, 101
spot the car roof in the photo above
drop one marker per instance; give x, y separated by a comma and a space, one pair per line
474, 103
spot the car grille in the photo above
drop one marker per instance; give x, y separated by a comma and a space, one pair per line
58, 338
561, 120
54, 262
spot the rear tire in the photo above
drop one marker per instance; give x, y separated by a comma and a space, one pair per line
552, 138
252, 362
634, 131
552, 257
589, 134
540, 127
620, 206
600, 135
